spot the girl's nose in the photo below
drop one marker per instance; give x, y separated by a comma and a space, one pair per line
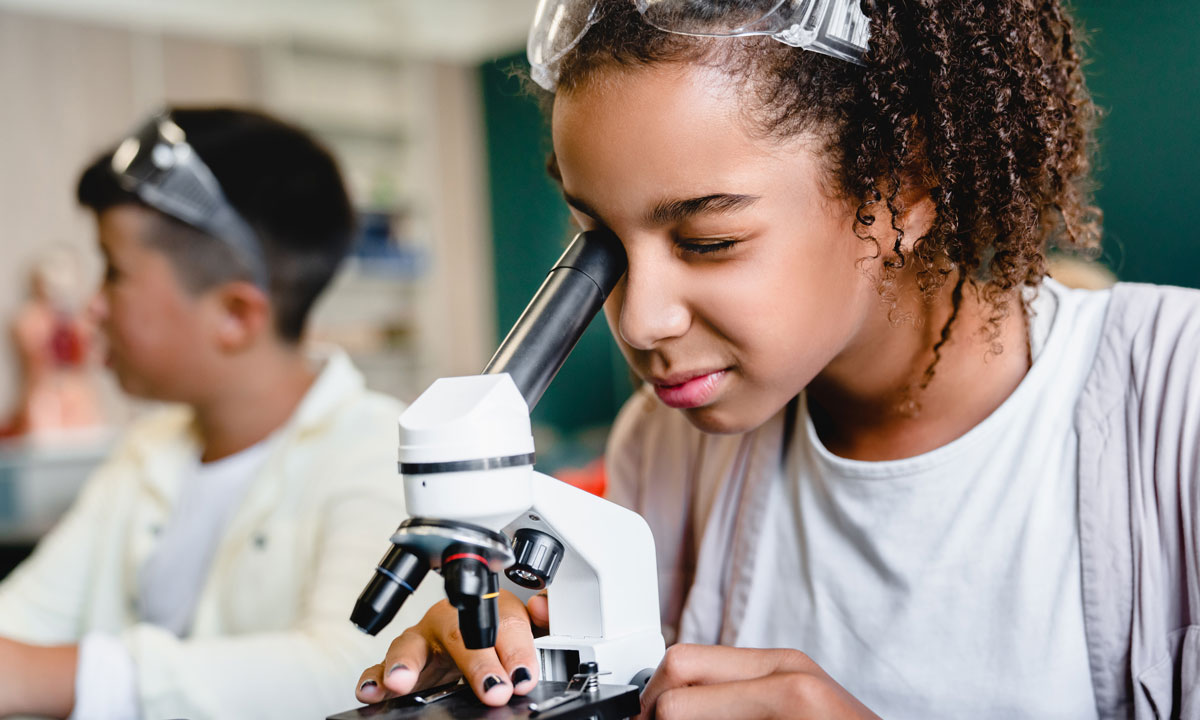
651, 309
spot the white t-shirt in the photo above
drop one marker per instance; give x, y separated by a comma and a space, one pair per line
170, 581
946, 584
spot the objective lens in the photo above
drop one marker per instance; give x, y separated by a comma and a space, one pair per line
472, 588
396, 577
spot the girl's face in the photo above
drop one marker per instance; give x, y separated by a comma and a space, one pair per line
745, 281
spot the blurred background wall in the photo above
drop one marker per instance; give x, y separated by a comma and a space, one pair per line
1145, 72
445, 155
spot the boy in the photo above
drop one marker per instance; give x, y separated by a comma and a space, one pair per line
208, 569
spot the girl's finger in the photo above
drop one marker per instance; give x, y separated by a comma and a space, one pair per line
539, 610
781, 694
686, 665
405, 660
514, 645
481, 669
370, 685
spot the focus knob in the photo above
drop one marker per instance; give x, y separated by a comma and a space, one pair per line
537, 558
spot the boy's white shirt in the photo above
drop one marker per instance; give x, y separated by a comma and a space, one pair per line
270, 635
961, 565
170, 580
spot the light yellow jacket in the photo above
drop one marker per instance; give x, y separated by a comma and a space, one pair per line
271, 636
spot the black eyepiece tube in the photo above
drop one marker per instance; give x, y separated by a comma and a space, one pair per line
396, 577
576, 288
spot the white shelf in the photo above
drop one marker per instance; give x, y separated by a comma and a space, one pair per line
367, 108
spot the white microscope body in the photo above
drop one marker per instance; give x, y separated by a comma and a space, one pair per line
604, 597
477, 508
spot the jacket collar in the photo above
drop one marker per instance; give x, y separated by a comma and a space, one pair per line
165, 445
337, 384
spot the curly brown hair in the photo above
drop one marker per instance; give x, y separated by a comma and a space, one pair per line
981, 105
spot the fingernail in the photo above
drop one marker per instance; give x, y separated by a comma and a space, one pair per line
396, 667
366, 685
490, 682
521, 675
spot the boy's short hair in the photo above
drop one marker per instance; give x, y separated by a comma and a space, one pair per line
286, 186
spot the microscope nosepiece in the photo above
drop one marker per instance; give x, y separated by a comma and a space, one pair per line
396, 577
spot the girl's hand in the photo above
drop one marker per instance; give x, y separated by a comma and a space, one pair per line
432, 652
701, 681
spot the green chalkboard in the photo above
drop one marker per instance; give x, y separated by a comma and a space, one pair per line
530, 227
1144, 72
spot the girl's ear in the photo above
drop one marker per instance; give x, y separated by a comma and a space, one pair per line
244, 315
917, 217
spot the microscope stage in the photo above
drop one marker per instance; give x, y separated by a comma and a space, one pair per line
610, 702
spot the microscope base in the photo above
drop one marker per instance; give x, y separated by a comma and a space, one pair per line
610, 702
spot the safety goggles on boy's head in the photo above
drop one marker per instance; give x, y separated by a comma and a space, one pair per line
158, 165
831, 27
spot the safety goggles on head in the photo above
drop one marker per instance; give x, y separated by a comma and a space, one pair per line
158, 165
831, 27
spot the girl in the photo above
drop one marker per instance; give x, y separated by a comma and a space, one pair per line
873, 432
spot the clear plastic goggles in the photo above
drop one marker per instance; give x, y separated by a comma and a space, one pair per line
158, 165
836, 28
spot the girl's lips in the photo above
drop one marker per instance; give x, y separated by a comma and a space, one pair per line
691, 393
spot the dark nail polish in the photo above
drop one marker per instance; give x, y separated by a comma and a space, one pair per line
490, 682
367, 685
521, 675
397, 666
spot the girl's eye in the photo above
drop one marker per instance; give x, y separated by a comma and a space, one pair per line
703, 247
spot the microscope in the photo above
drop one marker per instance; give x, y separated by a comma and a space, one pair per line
478, 510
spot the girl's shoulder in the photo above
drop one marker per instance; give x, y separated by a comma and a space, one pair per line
1139, 492
655, 456
1149, 348
646, 439
1166, 302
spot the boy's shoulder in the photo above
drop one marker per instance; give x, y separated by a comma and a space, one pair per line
339, 401
338, 410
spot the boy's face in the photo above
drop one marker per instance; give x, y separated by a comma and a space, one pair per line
157, 332
745, 281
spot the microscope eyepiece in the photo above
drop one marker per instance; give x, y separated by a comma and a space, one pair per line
554, 320
473, 588
396, 577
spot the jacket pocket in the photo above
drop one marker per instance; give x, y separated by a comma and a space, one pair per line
1172, 685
